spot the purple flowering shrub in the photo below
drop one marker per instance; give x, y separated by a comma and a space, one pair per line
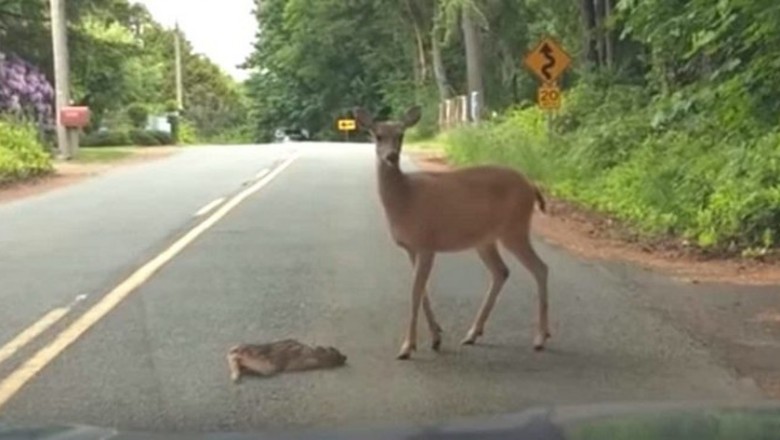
25, 92
26, 111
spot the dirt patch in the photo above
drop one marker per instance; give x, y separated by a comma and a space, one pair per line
597, 236
68, 173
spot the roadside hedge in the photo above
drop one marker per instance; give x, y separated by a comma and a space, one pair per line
21, 153
145, 138
677, 166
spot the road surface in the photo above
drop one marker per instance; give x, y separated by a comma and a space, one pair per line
307, 256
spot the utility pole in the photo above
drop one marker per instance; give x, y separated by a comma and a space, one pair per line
59, 34
179, 86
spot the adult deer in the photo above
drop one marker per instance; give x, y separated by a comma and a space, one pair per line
470, 208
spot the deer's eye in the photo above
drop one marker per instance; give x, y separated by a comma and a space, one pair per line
379, 138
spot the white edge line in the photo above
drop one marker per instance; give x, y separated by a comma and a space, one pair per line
209, 206
260, 174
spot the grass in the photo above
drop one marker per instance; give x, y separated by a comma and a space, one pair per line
104, 154
695, 178
431, 145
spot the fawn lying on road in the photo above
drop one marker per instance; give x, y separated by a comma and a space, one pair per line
280, 356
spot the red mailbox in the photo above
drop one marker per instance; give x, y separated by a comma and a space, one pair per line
74, 117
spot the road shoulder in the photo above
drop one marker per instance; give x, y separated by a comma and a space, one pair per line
70, 173
592, 236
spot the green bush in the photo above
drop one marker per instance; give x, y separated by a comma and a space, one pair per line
143, 138
188, 135
124, 138
137, 114
106, 139
684, 165
21, 153
162, 137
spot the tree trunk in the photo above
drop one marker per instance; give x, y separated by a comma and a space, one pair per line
600, 32
473, 58
588, 18
421, 63
422, 60
609, 42
439, 72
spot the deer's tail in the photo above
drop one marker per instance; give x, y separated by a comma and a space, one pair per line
540, 199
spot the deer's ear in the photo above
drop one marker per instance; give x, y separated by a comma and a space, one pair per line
363, 118
412, 116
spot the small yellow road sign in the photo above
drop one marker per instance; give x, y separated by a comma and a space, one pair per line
346, 125
549, 96
548, 60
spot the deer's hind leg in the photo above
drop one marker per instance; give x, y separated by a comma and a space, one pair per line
519, 244
499, 273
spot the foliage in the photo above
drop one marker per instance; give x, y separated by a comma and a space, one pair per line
187, 133
691, 179
162, 137
24, 91
105, 138
21, 153
121, 56
138, 115
143, 138
121, 138
314, 61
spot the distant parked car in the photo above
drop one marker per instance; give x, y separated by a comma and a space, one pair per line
291, 134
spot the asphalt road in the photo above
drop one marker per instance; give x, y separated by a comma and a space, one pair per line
308, 256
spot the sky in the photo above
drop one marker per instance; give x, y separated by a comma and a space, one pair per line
223, 30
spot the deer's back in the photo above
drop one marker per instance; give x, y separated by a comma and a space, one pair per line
449, 211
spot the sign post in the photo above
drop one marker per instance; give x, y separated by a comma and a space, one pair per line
548, 61
346, 125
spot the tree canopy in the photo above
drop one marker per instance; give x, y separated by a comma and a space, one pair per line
120, 57
670, 108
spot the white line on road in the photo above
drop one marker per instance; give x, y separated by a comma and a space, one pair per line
260, 174
209, 206
19, 377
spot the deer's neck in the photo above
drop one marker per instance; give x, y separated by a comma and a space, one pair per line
393, 188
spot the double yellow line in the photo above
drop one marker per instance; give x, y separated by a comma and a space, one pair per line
14, 382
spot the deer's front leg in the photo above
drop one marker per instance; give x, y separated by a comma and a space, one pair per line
433, 325
423, 263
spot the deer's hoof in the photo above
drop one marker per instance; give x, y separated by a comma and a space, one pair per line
539, 342
436, 345
406, 351
471, 337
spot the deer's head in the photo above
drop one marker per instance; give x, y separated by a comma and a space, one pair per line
388, 136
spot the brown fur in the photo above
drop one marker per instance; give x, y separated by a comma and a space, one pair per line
470, 208
280, 356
